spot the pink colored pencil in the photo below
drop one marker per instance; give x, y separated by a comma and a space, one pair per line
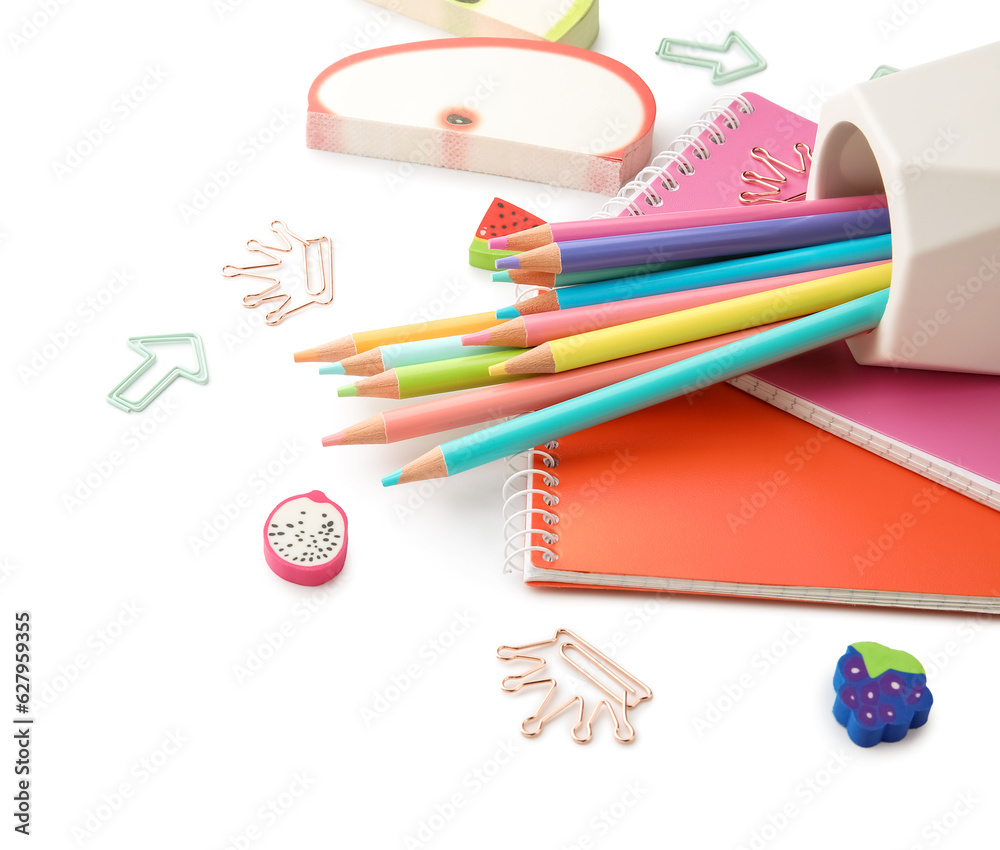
595, 228
532, 330
495, 402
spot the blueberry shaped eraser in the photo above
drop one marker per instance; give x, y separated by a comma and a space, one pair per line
882, 693
305, 539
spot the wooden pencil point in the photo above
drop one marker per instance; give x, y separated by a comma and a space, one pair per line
538, 361
384, 385
430, 465
331, 352
526, 240
368, 432
510, 334
539, 304
548, 258
525, 277
366, 364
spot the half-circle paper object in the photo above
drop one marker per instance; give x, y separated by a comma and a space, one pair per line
533, 110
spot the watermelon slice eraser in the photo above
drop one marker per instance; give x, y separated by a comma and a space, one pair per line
501, 219
882, 693
305, 539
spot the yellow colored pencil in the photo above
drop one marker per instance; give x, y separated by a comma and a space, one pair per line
788, 302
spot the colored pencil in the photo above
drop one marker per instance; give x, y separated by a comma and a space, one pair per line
595, 228
513, 399
529, 331
386, 357
851, 251
458, 373
548, 280
695, 242
356, 343
645, 390
699, 322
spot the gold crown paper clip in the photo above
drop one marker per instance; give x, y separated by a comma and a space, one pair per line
288, 240
625, 691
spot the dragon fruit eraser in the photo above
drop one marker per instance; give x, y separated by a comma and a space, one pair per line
305, 539
882, 693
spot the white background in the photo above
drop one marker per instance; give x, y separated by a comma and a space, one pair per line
381, 702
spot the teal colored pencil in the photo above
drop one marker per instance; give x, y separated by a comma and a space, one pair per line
643, 391
867, 250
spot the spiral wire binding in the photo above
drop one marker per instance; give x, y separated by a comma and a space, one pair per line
688, 142
517, 510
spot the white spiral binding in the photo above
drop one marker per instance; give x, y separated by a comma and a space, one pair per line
518, 510
687, 142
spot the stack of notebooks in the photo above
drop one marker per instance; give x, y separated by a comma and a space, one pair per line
880, 489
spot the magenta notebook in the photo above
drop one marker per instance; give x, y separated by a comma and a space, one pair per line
743, 150
942, 425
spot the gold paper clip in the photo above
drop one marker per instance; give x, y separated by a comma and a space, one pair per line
322, 295
625, 691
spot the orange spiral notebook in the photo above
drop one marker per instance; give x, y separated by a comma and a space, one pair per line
721, 493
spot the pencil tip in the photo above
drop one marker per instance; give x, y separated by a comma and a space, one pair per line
497, 369
334, 439
513, 262
332, 369
498, 243
393, 479
478, 338
348, 391
502, 277
307, 356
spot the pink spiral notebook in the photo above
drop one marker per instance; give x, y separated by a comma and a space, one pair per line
942, 425
742, 150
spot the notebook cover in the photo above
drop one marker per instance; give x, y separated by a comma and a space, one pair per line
721, 487
764, 160
942, 424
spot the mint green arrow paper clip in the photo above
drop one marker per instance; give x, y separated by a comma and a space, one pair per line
687, 53
142, 345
